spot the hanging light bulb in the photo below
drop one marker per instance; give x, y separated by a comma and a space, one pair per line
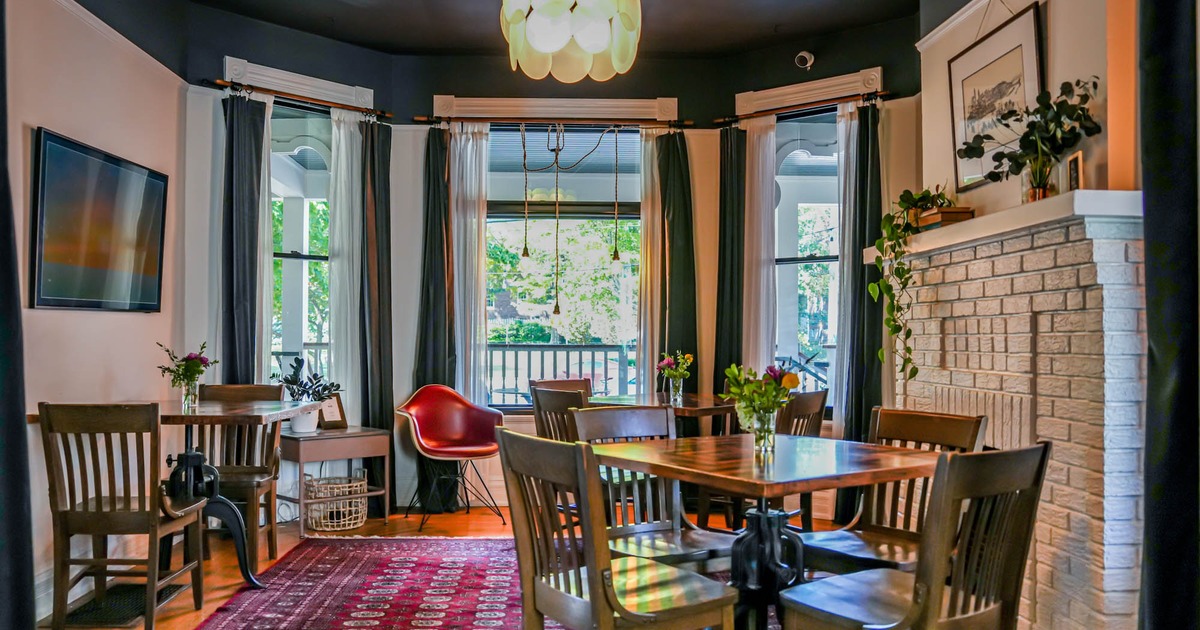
572, 39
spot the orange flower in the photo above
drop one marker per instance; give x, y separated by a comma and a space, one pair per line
790, 380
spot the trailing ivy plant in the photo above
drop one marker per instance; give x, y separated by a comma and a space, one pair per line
1045, 133
896, 276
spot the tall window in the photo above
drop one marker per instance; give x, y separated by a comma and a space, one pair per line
806, 250
300, 142
595, 333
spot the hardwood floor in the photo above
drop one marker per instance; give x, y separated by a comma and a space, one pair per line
222, 580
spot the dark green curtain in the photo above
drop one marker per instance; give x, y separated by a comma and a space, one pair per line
436, 353
16, 543
865, 379
731, 263
1170, 593
377, 383
245, 124
678, 326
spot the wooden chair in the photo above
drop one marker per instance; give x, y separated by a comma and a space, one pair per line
564, 384
891, 515
247, 458
981, 518
104, 467
803, 415
646, 513
567, 571
552, 412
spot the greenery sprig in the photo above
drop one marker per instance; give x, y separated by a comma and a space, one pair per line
754, 394
1047, 132
895, 274
186, 369
314, 388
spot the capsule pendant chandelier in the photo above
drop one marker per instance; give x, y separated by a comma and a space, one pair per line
572, 39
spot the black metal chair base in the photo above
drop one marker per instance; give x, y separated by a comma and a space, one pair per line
768, 556
463, 487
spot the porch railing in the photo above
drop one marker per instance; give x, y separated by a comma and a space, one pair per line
512, 365
315, 355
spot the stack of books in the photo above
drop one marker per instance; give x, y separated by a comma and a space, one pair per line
937, 217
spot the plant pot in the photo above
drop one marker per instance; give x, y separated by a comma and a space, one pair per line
305, 422
1048, 188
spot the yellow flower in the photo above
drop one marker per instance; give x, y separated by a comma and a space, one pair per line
688, 358
790, 380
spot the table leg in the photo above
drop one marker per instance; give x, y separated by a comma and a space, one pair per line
767, 558
387, 484
300, 503
223, 510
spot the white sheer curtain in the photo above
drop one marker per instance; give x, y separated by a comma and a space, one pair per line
847, 122
758, 297
266, 253
650, 282
468, 215
345, 257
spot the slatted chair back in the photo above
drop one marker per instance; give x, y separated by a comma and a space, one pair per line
103, 464
552, 412
643, 503
561, 556
241, 448
900, 506
982, 514
803, 414
564, 384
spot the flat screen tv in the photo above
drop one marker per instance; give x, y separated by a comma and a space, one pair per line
97, 229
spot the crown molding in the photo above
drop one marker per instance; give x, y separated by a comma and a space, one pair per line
649, 109
100, 26
242, 71
964, 14
858, 83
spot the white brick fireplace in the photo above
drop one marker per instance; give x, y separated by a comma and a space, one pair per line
1036, 317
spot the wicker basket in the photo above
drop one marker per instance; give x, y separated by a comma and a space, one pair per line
336, 516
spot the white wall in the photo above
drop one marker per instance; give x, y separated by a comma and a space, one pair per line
69, 72
1075, 49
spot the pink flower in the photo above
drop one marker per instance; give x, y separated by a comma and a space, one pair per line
666, 363
192, 356
204, 361
774, 372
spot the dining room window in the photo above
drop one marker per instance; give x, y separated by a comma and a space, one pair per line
806, 246
300, 140
595, 332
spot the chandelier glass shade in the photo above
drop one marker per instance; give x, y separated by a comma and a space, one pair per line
572, 39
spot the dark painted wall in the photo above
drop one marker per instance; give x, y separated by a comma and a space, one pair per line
192, 41
934, 12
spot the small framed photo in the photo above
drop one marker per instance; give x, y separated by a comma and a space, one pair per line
1075, 171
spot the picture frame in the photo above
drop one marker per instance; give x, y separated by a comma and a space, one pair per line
999, 72
332, 414
1075, 171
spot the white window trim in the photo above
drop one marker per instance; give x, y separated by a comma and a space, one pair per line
856, 84
648, 109
242, 71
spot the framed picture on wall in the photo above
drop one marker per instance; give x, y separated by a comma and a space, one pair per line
1075, 171
1001, 71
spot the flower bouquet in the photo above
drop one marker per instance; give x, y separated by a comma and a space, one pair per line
759, 399
675, 369
185, 372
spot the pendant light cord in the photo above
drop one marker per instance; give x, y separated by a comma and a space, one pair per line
525, 191
616, 252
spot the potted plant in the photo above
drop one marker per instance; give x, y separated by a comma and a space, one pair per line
895, 275
916, 205
313, 388
185, 373
675, 369
758, 400
1047, 132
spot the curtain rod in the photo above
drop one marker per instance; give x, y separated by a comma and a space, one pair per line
787, 109
433, 120
235, 86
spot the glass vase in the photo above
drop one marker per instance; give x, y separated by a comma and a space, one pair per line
675, 391
1047, 184
191, 395
762, 425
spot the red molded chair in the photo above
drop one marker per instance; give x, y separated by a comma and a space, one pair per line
447, 427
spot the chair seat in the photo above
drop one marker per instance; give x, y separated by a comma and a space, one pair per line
246, 480
653, 588
87, 517
454, 450
875, 597
674, 547
845, 551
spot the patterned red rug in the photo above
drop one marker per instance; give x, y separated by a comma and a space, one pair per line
383, 583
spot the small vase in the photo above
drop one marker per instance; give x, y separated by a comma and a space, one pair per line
191, 395
762, 426
1031, 193
675, 390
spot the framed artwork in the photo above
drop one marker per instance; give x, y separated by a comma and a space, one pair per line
1075, 171
1001, 71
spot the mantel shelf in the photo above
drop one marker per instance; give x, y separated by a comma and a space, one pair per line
1077, 203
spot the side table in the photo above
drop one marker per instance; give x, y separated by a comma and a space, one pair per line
329, 444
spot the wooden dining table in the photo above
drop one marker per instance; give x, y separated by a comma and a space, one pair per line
191, 476
692, 406
768, 555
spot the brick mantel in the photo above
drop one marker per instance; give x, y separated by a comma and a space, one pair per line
1042, 328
